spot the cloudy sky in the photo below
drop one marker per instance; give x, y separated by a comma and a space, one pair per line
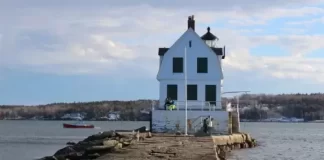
81, 50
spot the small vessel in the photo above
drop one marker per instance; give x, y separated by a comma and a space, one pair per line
79, 124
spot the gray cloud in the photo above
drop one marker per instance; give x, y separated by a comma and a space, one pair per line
109, 37
188, 4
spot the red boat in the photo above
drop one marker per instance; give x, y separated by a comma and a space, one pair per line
78, 125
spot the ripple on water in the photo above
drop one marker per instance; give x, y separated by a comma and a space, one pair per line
39, 139
284, 141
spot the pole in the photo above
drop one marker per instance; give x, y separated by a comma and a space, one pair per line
185, 86
238, 113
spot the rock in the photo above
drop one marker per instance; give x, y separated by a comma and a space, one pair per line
160, 155
74, 156
254, 142
122, 140
159, 149
60, 157
91, 143
242, 145
81, 156
118, 146
248, 137
97, 149
226, 148
110, 143
149, 135
100, 136
93, 156
163, 152
121, 136
141, 129
93, 146
65, 151
125, 144
70, 143
250, 144
48, 158
222, 154
178, 133
237, 146
137, 136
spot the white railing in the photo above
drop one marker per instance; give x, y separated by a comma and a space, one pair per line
191, 105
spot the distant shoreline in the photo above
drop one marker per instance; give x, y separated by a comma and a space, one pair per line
71, 120
316, 121
282, 122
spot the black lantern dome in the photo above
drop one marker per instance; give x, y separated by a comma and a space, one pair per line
209, 38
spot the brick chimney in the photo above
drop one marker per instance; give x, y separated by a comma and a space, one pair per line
191, 22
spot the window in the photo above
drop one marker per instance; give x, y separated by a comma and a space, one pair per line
189, 44
202, 65
177, 65
210, 94
172, 91
192, 92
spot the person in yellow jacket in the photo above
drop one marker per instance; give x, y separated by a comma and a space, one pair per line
170, 104
171, 107
174, 107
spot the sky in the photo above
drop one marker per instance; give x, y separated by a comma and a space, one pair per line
81, 50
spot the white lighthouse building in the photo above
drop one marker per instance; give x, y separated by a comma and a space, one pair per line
203, 67
196, 62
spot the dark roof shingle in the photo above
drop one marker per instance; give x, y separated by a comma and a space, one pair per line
217, 51
162, 51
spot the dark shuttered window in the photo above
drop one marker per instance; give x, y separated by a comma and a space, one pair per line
202, 65
172, 91
192, 92
210, 93
177, 65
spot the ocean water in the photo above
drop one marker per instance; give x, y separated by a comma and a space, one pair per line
284, 141
28, 140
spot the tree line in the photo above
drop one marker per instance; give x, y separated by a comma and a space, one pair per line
128, 110
252, 106
260, 106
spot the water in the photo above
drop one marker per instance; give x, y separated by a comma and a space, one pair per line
284, 141
28, 140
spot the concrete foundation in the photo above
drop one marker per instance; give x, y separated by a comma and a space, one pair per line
164, 121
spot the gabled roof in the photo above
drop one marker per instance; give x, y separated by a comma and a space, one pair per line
207, 36
217, 51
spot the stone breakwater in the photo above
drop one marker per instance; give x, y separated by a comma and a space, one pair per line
96, 146
226, 143
138, 146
